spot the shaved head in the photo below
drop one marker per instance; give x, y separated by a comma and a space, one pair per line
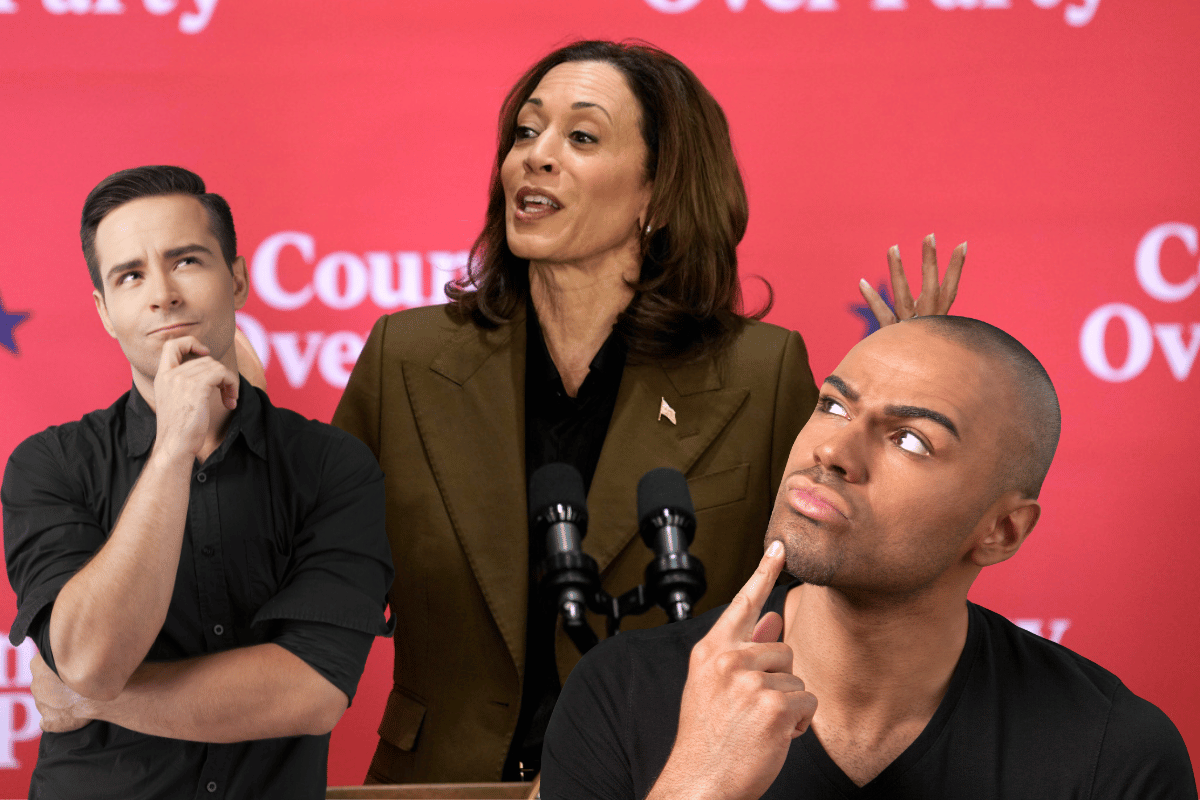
1034, 418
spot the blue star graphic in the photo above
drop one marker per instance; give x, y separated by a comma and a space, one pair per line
9, 320
868, 316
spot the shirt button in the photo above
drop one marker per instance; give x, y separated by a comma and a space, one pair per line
208, 550
202, 478
212, 786
218, 630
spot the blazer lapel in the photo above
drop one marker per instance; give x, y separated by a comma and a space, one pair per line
470, 409
639, 441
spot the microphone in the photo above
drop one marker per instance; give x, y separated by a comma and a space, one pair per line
667, 520
569, 577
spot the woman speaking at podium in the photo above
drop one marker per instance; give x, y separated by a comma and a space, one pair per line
600, 325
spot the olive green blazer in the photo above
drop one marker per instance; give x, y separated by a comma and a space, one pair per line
441, 404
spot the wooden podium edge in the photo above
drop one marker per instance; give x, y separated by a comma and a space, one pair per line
432, 791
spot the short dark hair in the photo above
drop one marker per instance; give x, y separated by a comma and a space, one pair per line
152, 181
1036, 423
687, 300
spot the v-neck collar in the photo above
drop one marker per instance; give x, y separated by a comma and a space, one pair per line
881, 784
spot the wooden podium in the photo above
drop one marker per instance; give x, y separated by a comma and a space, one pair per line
432, 791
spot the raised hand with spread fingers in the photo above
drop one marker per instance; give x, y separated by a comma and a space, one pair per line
935, 298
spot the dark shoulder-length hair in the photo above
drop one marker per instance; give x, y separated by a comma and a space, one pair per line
687, 301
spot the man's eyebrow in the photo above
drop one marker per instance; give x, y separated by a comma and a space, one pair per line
176, 252
842, 387
137, 263
125, 266
917, 412
910, 412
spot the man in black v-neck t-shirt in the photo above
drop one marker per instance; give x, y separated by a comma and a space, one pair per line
1022, 718
872, 676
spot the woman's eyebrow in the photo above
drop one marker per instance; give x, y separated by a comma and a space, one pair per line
585, 104
537, 101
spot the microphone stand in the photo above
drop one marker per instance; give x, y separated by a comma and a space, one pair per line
570, 579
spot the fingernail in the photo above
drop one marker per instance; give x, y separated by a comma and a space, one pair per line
964, 247
862, 282
932, 240
775, 548
894, 250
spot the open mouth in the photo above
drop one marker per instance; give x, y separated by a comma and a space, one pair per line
533, 203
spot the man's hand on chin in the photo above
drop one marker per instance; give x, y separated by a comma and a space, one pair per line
741, 705
186, 378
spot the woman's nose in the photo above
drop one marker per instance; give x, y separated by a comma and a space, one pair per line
541, 155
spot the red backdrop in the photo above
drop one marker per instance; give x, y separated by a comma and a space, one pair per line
354, 141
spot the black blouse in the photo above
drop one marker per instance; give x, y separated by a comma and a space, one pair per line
571, 430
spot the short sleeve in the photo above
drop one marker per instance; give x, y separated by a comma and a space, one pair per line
584, 754
339, 654
341, 567
1143, 756
49, 531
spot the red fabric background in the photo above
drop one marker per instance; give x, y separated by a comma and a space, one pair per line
1054, 135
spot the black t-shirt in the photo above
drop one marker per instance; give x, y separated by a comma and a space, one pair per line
1022, 718
284, 542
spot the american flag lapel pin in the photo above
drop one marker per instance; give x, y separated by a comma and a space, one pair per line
665, 410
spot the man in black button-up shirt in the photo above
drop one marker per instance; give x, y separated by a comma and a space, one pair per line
203, 573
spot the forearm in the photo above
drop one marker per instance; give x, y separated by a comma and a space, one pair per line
259, 692
674, 785
107, 616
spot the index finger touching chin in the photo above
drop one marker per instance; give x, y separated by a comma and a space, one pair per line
743, 612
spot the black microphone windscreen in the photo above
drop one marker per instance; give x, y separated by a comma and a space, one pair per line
663, 488
555, 483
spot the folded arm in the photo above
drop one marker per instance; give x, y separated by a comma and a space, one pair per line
259, 692
107, 616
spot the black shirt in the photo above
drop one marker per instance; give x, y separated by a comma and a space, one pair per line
1022, 718
284, 542
561, 428
571, 430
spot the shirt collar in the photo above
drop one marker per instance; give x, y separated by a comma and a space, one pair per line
141, 424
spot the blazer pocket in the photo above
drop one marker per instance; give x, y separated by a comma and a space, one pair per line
719, 488
401, 720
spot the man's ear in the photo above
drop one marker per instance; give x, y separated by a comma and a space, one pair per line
241, 282
102, 310
1010, 519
